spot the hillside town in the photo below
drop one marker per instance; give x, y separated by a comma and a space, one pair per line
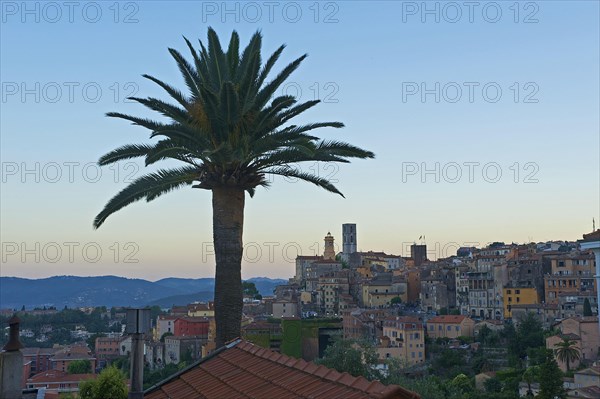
411, 312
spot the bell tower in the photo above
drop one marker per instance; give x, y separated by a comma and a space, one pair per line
329, 253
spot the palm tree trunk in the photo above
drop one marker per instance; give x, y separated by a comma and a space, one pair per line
228, 226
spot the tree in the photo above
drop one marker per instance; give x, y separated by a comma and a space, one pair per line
530, 375
550, 378
430, 387
79, 367
529, 334
354, 357
165, 335
462, 383
91, 341
567, 351
230, 132
587, 308
110, 384
396, 300
249, 289
493, 385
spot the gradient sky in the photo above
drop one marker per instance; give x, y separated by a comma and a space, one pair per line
367, 59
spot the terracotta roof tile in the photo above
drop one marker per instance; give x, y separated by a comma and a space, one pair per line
449, 319
360, 383
310, 368
244, 370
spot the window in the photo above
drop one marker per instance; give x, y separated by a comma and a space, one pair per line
517, 292
449, 328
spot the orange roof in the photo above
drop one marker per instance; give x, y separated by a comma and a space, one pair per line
244, 370
58, 376
593, 236
447, 319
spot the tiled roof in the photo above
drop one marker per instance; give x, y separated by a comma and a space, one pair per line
58, 376
62, 355
244, 370
590, 392
569, 336
593, 236
447, 319
594, 370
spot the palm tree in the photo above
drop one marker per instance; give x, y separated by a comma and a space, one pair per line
530, 375
229, 131
567, 351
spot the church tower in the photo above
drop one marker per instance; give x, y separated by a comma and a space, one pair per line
329, 253
349, 238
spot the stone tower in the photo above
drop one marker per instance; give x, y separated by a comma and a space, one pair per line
329, 253
349, 238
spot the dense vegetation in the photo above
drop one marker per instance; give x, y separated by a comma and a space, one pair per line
98, 322
514, 354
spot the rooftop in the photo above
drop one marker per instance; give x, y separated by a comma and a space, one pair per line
594, 370
587, 392
593, 236
57, 376
448, 319
243, 370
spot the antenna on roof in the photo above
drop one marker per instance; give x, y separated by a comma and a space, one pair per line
593, 224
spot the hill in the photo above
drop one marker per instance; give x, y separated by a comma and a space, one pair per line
74, 291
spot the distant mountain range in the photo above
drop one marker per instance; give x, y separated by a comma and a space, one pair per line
73, 291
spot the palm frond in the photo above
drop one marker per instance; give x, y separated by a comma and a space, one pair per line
269, 65
127, 151
233, 53
269, 89
291, 172
150, 186
173, 92
189, 74
170, 111
343, 149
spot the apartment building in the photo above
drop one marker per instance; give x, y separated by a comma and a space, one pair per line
403, 338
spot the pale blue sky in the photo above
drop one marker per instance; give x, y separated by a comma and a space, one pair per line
368, 64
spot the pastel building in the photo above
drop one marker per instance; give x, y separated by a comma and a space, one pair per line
450, 326
403, 338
